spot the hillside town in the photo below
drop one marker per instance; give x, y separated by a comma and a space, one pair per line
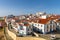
29, 19
39, 22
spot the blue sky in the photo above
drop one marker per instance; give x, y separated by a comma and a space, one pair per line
19, 7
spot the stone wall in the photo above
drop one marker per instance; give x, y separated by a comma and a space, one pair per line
11, 34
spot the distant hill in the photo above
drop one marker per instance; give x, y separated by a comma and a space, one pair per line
1, 18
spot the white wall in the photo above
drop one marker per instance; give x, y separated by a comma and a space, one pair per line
39, 26
57, 23
58, 26
12, 35
12, 20
24, 30
44, 16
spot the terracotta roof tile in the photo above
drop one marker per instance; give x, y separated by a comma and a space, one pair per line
43, 21
26, 25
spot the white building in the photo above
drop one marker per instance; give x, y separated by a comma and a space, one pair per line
44, 26
44, 17
23, 28
40, 13
58, 24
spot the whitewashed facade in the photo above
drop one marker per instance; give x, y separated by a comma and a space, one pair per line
45, 28
39, 27
22, 29
58, 25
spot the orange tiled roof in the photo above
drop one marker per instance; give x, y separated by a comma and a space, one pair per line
53, 17
44, 21
26, 25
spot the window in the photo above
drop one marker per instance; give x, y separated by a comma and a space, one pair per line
35, 24
38, 24
41, 25
51, 22
41, 30
21, 27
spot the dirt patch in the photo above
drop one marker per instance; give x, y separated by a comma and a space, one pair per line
30, 38
2, 34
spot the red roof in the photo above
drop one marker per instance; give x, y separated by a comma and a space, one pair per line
39, 20
43, 21
26, 25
